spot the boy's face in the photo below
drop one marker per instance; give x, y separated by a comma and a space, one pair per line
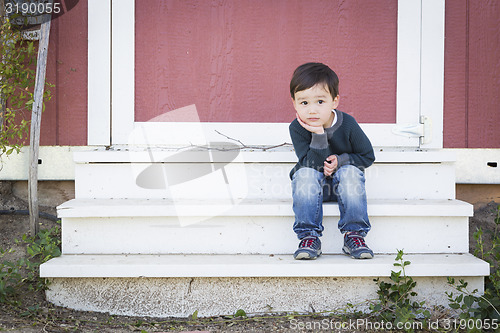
314, 105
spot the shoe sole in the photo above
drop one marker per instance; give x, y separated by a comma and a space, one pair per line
363, 255
303, 255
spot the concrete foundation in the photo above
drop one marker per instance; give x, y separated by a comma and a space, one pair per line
181, 297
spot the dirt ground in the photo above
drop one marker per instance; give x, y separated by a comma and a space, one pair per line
483, 218
34, 314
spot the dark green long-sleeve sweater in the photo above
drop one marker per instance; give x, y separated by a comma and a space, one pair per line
344, 139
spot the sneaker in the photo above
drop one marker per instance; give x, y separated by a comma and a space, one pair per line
309, 248
355, 246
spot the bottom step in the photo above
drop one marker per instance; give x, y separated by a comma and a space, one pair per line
239, 265
179, 285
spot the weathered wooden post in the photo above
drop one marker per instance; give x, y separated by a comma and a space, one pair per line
36, 117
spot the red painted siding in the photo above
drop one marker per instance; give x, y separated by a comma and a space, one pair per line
234, 59
455, 91
472, 74
64, 121
270, 45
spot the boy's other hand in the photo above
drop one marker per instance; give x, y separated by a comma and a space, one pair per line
330, 165
310, 128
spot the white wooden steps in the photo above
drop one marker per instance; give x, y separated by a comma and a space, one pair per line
165, 233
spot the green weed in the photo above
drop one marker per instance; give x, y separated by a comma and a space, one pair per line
471, 304
25, 271
395, 302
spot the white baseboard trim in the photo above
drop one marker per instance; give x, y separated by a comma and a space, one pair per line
473, 166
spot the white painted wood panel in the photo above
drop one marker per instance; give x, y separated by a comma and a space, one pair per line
432, 68
252, 234
99, 73
159, 227
236, 181
122, 64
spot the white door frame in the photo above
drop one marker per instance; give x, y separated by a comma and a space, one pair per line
111, 72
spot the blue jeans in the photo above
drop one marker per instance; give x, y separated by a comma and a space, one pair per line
310, 188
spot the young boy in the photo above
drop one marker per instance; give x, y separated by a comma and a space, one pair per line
333, 151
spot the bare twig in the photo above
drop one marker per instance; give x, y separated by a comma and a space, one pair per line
253, 147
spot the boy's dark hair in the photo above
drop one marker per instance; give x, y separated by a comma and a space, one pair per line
312, 73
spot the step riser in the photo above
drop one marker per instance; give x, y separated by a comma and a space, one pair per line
181, 297
253, 235
249, 180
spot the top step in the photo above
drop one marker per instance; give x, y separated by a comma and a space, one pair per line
247, 174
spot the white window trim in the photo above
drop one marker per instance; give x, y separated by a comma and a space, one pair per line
99, 72
420, 81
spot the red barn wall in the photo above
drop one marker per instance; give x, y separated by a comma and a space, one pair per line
472, 74
64, 121
472, 65
234, 59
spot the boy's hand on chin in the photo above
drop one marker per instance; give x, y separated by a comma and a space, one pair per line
310, 128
